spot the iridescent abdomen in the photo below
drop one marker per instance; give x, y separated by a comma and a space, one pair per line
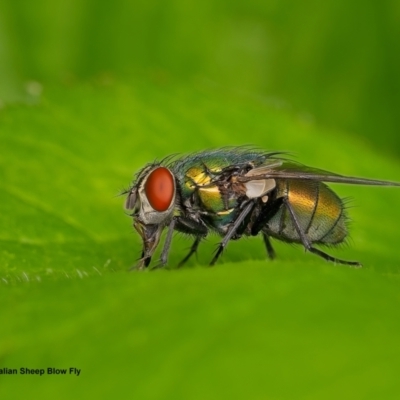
320, 213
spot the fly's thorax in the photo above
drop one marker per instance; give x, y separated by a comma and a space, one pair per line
221, 221
153, 196
210, 198
197, 176
220, 193
215, 199
202, 189
201, 175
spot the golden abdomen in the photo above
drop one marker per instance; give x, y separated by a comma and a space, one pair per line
319, 211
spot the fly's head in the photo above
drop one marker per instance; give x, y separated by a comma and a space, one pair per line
152, 200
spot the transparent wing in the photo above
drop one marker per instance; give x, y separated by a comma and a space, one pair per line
282, 169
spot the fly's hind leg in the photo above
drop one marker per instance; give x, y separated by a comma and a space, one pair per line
327, 257
270, 250
307, 244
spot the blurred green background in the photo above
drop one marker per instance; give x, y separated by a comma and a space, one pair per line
334, 61
90, 91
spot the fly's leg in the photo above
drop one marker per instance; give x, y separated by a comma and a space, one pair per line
142, 263
192, 251
244, 224
232, 230
167, 245
306, 242
191, 227
270, 250
146, 261
266, 214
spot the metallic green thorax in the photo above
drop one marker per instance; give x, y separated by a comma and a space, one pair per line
197, 177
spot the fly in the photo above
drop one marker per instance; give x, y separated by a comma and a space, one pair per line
238, 192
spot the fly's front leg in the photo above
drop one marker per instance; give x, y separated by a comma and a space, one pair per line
232, 230
151, 235
306, 242
167, 245
142, 263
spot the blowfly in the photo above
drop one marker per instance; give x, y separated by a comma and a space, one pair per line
238, 192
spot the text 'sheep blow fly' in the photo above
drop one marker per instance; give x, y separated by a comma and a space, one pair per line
238, 191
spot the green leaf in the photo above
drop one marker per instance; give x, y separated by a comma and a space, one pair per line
297, 327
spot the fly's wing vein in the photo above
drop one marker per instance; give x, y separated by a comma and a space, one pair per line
285, 170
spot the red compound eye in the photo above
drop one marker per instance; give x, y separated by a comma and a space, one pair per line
160, 189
